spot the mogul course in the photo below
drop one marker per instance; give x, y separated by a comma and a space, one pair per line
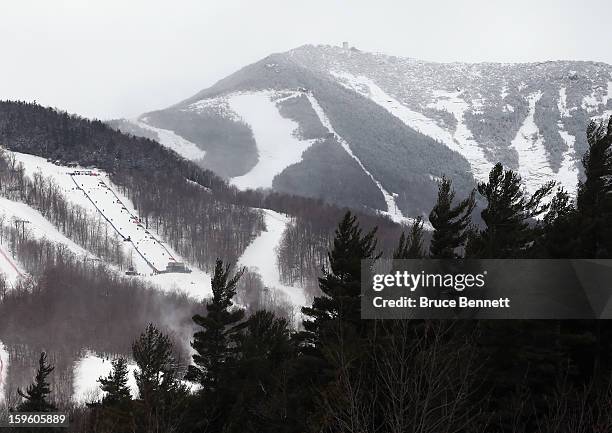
425, 302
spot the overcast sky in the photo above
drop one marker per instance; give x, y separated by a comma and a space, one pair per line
119, 58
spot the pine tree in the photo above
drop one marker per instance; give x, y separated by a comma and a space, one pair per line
332, 343
37, 395
450, 222
156, 373
559, 235
595, 194
115, 385
212, 343
262, 383
341, 284
411, 246
162, 396
507, 215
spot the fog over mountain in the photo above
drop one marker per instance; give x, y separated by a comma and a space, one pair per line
376, 131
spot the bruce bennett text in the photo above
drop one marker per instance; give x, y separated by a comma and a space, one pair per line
425, 302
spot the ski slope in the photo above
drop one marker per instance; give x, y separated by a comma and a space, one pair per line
533, 166
9, 267
4, 363
35, 226
278, 145
87, 371
393, 211
461, 141
183, 147
150, 255
93, 191
260, 257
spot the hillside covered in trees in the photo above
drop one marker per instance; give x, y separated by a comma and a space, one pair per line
251, 371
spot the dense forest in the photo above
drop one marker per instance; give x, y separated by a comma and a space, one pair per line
252, 372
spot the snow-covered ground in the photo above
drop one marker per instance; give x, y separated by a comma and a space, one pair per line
567, 175
278, 145
534, 167
260, 256
183, 147
86, 373
149, 254
4, 363
467, 146
36, 226
93, 191
461, 141
10, 269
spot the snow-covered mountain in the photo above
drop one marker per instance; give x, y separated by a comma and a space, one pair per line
377, 131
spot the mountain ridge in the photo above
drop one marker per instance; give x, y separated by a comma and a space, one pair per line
407, 122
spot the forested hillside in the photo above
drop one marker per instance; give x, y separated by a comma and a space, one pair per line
387, 125
198, 212
73, 272
250, 371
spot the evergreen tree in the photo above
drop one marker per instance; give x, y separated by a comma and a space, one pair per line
411, 246
115, 412
115, 385
212, 343
263, 386
341, 284
559, 234
156, 373
162, 396
332, 343
509, 209
595, 194
450, 222
37, 395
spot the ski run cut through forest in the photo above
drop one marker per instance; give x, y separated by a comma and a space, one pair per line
151, 259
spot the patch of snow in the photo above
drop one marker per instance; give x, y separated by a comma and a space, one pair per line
191, 182
260, 257
534, 167
509, 108
10, 269
88, 370
562, 103
4, 363
590, 102
219, 106
468, 147
170, 139
603, 117
278, 146
461, 141
567, 175
504, 92
478, 106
